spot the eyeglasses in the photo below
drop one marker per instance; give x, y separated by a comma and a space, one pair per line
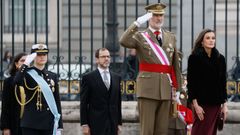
107, 56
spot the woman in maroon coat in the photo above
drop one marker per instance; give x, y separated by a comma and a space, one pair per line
206, 84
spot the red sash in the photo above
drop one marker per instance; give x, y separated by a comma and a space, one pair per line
159, 69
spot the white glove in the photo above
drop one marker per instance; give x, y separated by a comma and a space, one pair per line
144, 18
59, 132
30, 58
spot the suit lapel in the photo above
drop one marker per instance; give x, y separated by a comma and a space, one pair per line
165, 38
153, 37
112, 83
99, 79
164, 44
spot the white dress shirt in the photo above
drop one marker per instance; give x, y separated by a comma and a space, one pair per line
102, 74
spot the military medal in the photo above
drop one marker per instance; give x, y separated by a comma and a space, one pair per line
149, 51
168, 49
182, 96
52, 84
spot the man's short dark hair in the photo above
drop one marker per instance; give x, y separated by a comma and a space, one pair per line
98, 50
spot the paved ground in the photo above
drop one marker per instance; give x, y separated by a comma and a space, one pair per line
230, 129
72, 125
132, 129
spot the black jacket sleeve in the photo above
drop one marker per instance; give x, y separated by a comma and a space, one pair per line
224, 79
84, 94
6, 105
18, 79
192, 77
119, 104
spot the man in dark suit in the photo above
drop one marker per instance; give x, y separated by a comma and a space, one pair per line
101, 98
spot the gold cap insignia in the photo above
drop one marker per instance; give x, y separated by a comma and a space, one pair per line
156, 8
41, 46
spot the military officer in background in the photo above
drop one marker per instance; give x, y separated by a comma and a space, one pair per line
180, 125
38, 95
159, 72
176, 125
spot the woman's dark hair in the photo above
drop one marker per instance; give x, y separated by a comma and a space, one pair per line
198, 41
13, 68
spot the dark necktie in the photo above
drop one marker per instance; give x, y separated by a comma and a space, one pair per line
157, 33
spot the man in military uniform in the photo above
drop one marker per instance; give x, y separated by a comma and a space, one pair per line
177, 126
159, 72
38, 95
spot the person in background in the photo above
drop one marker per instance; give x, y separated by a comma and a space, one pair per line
131, 65
206, 77
159, 73
41, 102
7, 59
176, 125
100, 96
130, 72
10, 116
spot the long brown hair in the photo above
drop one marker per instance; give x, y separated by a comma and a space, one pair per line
13, 68
198, 41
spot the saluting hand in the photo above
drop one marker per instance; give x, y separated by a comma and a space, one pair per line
142, 19
30, 58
